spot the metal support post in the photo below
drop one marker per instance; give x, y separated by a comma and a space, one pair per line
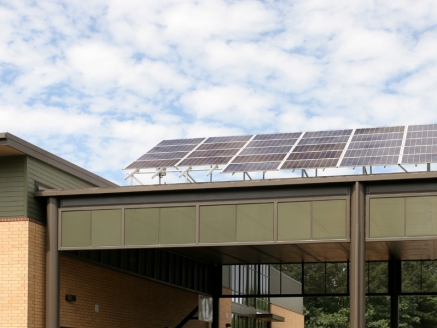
394, 289
357, 258
52, 265
216, 292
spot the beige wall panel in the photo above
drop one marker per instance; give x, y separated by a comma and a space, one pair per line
106, 227
421, 216
255, 222
177, 225
76, 229
387, 217
218, 223
141, 226
294, 221
329, 219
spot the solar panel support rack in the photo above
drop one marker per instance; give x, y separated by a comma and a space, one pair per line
393, 147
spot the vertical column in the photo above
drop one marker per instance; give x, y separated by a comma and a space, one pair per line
357, 258
217, 291
52, 265
394, 289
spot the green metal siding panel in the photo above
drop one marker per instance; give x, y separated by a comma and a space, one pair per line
12, 190
51, 176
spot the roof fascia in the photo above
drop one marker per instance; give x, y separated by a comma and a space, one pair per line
241, 184
56, 161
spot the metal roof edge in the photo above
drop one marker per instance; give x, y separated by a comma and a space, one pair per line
240, 184
56, 161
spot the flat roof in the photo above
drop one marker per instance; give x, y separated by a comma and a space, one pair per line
10, 145
240, 184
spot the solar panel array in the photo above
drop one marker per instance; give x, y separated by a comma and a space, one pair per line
413, 144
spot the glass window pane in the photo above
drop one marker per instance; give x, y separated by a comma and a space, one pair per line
336, 278
314, 278
76, 229
421, 216
141, 226
386, 217
294, 221
106, 227
377, 277
178, 225
255, 222
411, 276
329, 219
217, 223
429, 276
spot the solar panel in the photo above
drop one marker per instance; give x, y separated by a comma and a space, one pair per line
420, 144
263, 153
167, 153
215, 150
320, 149
374, 146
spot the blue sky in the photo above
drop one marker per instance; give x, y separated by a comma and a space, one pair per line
101, 82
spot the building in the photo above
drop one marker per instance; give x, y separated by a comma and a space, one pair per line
109, 286
142, 255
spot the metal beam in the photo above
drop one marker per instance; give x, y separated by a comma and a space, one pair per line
394, 289
217, 291
357, 258
52, 265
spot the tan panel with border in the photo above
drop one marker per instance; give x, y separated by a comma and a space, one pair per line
386, 217
329, 219
255, 222
178, 225
294, 221
106, 227
421, 216
76, 229
217, 223
141, 226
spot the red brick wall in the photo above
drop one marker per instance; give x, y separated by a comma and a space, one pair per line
124, 300
225, 308
292, 319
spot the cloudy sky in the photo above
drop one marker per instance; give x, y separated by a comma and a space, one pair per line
101, 82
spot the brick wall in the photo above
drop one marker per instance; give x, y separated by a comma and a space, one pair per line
22, 273
292, 319
225, 308
123, 300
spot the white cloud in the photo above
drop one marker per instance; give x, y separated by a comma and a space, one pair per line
109, 79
